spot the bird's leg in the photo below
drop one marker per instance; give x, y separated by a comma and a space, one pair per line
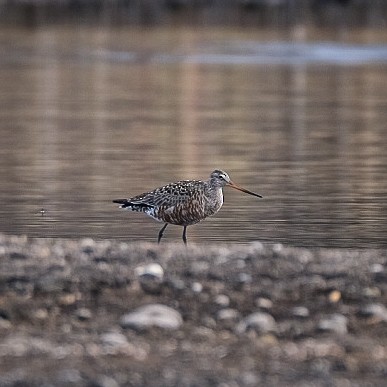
161, 232
185, 235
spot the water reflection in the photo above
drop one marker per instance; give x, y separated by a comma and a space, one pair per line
254, 53
78, 130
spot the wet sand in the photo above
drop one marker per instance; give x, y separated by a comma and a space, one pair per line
106, 313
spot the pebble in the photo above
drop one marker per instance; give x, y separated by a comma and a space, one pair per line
336, 323
228, 317
5, 324
375, 311
16, 255
278, 247
104, 381
40, 314
300, 312
260, 322
376, 268
67, 299
263, 303
69, 376
176, 284
197, 287
240, 264
115, 343
222, 300
113, 340
150, 277
199, 267
242, 279
83, 314
51, 283
372, 292
151, 269
257, 246
334, 296
152, 315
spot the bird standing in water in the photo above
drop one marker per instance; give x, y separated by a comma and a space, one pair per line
183, 203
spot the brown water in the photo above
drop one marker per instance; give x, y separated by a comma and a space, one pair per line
88, 115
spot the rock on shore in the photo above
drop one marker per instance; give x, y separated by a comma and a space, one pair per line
106, 313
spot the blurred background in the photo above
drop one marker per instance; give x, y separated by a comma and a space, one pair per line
107, 99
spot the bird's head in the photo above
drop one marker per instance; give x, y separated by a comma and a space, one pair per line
220, 179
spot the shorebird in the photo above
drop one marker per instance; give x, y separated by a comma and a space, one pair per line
183, 203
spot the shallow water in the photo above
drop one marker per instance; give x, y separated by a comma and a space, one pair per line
88, 115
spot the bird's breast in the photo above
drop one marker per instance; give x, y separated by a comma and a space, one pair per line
214, 201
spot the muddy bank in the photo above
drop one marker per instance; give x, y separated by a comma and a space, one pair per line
104, 313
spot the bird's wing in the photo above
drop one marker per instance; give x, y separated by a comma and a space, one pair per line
168, 195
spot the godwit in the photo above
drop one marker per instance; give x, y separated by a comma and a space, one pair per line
183, 203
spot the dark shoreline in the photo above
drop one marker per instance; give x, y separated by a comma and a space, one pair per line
238, 315
254, 13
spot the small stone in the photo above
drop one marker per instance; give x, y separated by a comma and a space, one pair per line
176, 284
151, 277
222, 300
202, 333
208, 322
228, 317
152, 269
278, 247
199, 267
40, 314
152, 315
260, 322
336, 323
242, 279
334, 296
372, 292
263, 303
250, 379
115, 343
376, 268
240, 263
88, 245
300, 312
197, 287
113, 339
69, 376
105, 381
67, 299
50, 284
17, 256
377, 312
83, 314
5, 324
257, 246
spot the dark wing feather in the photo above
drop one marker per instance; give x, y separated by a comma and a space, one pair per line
167, 196
125, 203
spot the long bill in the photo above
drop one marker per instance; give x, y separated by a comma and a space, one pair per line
233, 185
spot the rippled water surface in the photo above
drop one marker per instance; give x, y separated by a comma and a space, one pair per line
88, 115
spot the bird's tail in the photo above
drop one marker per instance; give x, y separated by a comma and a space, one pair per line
121, 201
134, 206
124, 203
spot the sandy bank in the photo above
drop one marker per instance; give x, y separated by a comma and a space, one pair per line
72, 314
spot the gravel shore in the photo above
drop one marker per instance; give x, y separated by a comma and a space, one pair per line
108, 314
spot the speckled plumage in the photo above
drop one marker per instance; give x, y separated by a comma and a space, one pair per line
183, 203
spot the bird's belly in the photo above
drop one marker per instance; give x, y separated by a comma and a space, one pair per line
183, 215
